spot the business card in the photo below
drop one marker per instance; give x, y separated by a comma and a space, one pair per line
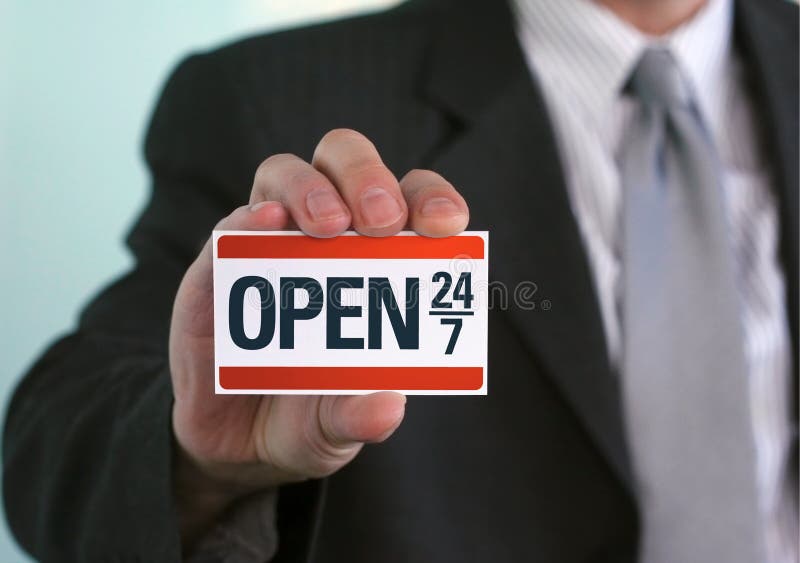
351, 314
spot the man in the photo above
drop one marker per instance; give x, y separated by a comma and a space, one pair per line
635, 159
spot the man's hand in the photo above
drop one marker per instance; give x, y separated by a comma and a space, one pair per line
228, 446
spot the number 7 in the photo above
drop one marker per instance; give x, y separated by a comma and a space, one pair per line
454, 335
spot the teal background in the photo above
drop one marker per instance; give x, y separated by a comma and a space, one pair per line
77, 83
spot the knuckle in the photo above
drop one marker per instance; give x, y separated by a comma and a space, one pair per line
420, 182
441, 186
269, 163
324, 458
263, 182
305, 180
319, 442
342, 134
420, 172
344, 143
367, 172
424, 178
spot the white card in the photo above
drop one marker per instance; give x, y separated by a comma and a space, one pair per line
351, 314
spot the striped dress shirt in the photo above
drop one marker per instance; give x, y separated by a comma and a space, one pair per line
582, 55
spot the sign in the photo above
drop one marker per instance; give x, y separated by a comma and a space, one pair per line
350, 314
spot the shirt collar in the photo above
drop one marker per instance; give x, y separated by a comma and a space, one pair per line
702, 47
583, 50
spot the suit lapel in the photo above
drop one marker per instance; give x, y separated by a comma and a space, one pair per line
506, 164
771, 53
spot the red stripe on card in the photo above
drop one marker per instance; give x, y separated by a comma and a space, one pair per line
283, 246
351, 378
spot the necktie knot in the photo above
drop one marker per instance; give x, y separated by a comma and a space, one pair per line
657, 80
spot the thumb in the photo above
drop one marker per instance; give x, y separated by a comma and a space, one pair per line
315, 436
361, 418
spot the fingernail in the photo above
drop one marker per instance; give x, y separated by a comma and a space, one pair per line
257, 206
323, 205
440, 207
379, 209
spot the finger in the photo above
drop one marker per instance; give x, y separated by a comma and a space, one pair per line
197, 285
260, 216
370, 190
311, 199
436, 209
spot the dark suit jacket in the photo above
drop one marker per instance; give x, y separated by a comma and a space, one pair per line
536, 471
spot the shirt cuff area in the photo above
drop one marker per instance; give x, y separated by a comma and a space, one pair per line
247, 534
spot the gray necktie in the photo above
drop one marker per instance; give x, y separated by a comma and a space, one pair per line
683, 372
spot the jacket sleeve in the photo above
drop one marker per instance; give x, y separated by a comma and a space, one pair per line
88, 442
